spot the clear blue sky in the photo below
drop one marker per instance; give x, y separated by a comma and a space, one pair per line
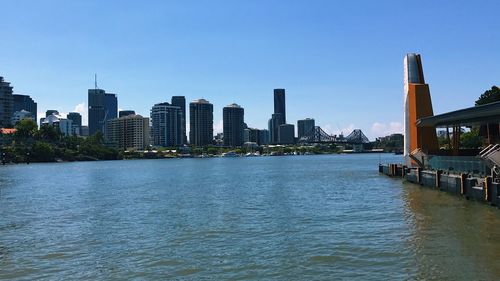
341, 62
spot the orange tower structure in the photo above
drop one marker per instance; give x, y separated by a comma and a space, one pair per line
418, 105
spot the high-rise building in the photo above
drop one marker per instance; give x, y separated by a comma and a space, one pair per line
166, 125
102, 107
251, 135
6, 103
63, 124
264, 137
232, 118
418, 105
124, 113
180, 101
76, 118
96, 110
128, 132
110, 106
305, 126
286, 134
201, 122
279, 103
274, 124
24, 102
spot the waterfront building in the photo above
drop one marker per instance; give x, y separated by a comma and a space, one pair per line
21, 115
251, 135
263, 137
180, 101
279, 103
24, 102
417, 102
76, 118
305, 126
128, 132
102, 107
286, 134
6, 103
63, 124
233, 125
124, 113
166, 125
274, 124
201, 122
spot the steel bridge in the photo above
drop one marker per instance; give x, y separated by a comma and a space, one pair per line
317, 135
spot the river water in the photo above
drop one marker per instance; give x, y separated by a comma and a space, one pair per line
264, 218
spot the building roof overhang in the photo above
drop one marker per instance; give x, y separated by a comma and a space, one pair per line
476, 115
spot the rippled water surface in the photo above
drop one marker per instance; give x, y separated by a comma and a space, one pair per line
266, 218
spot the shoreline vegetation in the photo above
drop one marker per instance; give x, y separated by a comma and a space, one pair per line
30, 144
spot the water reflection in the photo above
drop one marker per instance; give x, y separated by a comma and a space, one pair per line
452, 238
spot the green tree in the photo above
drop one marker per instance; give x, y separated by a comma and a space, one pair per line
97, 138
489, 96
471, 139
49, 134
26, 129
43, 152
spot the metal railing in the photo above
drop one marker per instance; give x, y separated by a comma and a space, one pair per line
457, 164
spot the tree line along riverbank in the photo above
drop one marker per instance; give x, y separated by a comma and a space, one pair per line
28, 144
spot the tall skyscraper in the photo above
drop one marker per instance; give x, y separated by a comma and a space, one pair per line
201, 122
128, 132
96, 110
6, 103
166, 125
24, 102
76, 119
274, 124
418, 104
233, 124
305, 126
279, 103
180, 101
102, 107
110, 106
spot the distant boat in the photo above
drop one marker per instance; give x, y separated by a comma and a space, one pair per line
230, 154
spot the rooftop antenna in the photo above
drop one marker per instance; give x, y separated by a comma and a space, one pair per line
95, 81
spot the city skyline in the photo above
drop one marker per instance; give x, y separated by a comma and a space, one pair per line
326, 61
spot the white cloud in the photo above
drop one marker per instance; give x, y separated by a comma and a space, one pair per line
218, 127
40, 116
82, 109
382, 129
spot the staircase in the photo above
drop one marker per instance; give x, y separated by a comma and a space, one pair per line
491, 155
